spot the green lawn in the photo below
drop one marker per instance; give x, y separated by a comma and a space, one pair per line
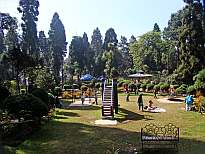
73, 130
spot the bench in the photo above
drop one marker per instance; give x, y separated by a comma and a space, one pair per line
158, 137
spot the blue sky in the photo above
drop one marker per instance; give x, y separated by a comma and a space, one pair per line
127, 17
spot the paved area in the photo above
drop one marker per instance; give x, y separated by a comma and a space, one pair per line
105, 122
87, 102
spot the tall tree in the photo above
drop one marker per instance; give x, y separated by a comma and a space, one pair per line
132, 39
110, 37
76, 55
29, 10
126, 61
6, 21
156, 28
96, 47
87, 53
147, 52
11, 41
171, 35
57, 43
192, 55
1, 34
45, 53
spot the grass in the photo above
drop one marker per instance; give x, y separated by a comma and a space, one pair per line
73, 130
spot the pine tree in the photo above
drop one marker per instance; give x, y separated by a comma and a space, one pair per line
57, 43
192, 54
110, 38
156, 28
87, 53
45, 53
126, 61
29, 10
76, 55
97, 50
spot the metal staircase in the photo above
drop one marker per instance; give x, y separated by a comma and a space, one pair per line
107, 102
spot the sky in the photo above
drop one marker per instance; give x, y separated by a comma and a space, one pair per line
127, 17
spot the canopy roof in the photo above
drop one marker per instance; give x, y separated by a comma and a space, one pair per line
139, 75
86, 77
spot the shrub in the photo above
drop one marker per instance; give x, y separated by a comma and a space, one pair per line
200, 80
156, 87
191, 89
20, 104
160, 84
120, 83
143, 86
42, 94
57, 91
150, 86
164, 86
182, 89
66, 87
4, 93
132, 86
138, 85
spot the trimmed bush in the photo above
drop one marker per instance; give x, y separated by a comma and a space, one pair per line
200, 80
132, 86
164, 86
150, 86
42, 94
156, 87
143, 86
57, 91
20, 104
120, 83
182, 89
138, 85
191, 89
66, 87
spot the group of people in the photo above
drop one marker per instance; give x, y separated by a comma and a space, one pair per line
141, 104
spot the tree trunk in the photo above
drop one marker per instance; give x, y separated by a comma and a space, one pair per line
17, 81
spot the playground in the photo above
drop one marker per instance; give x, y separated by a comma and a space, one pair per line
73, 130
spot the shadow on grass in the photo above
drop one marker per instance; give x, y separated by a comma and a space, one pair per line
126, 115
60, 117
78, 138
68, 114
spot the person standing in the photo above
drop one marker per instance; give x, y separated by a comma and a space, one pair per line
82, 97
155, 93
188, 100
127, 97
140, 102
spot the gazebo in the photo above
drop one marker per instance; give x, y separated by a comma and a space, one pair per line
86, 77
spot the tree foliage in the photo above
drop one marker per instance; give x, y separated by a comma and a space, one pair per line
191, 39
57, 43
29, 10
97, 49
